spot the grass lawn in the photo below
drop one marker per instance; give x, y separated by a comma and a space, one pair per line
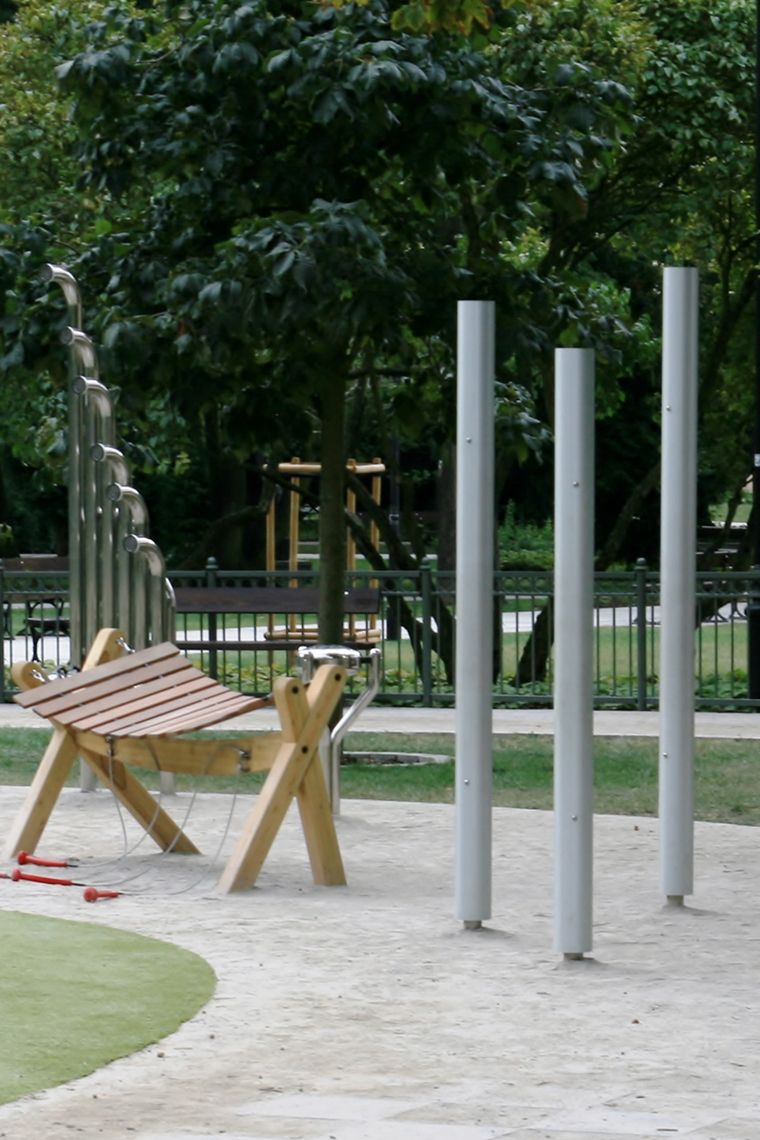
727, 773
75, 996
720, 660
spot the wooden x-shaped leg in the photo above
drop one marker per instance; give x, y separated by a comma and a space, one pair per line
295, 773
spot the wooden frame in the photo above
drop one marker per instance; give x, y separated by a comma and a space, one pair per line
125, 710
296, 468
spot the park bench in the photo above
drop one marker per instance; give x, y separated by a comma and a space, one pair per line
282, 606
43, 605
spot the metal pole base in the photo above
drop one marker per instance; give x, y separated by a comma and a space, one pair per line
574, 957
674, 900
472, 924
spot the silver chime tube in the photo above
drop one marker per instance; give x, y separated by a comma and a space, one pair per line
98, 428
154, 561
474, 626
57, 275
573, 649
110, 465
131, 600
680, 353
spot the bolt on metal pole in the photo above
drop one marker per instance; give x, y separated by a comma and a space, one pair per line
678, 564
574, 650
474, 602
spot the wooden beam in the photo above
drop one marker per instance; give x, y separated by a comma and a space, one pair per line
303, 718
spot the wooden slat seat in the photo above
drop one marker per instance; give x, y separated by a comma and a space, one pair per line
132, 709
134, 695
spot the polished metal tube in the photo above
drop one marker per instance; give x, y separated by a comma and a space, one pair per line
474, 618
56, 274
573, 649
678, 545
110, 465
154, 561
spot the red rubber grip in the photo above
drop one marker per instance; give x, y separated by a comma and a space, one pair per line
33, 860
18, 875
92, 894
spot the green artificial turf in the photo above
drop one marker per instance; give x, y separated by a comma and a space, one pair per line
74, 996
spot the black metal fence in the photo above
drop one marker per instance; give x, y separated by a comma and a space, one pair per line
415, 629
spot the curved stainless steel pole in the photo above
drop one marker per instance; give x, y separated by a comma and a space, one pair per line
110, 465
58, 275
154, 560
133, 519
151, 556
345, 722
67, 283
97, 419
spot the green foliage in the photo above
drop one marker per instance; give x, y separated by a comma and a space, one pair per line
258, 197
525, 546
282, 195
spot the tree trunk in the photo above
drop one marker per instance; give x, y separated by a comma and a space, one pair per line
535, 655
447, 493
332, 520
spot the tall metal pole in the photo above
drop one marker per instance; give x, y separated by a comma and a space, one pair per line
574, 646
70, 289
474, 592
753, 608
678, 564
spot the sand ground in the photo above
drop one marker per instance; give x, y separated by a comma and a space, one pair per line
367, 1012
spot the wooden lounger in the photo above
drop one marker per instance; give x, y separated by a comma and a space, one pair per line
127, 709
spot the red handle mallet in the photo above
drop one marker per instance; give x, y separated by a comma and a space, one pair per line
20, 876
92, 894
35, 861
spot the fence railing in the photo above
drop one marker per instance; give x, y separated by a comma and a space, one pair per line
415, 630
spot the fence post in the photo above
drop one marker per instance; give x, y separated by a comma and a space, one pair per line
7, 628
211, 568
426, 590
641, 633
753, 639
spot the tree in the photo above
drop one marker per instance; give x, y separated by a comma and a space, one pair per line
679, 191
280, 206
315, 193
41, 217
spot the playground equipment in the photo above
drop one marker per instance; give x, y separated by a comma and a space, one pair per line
310, 657
573, 730
574, 650
117, 575
678, 529
126, 710
474, 635
297, 470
